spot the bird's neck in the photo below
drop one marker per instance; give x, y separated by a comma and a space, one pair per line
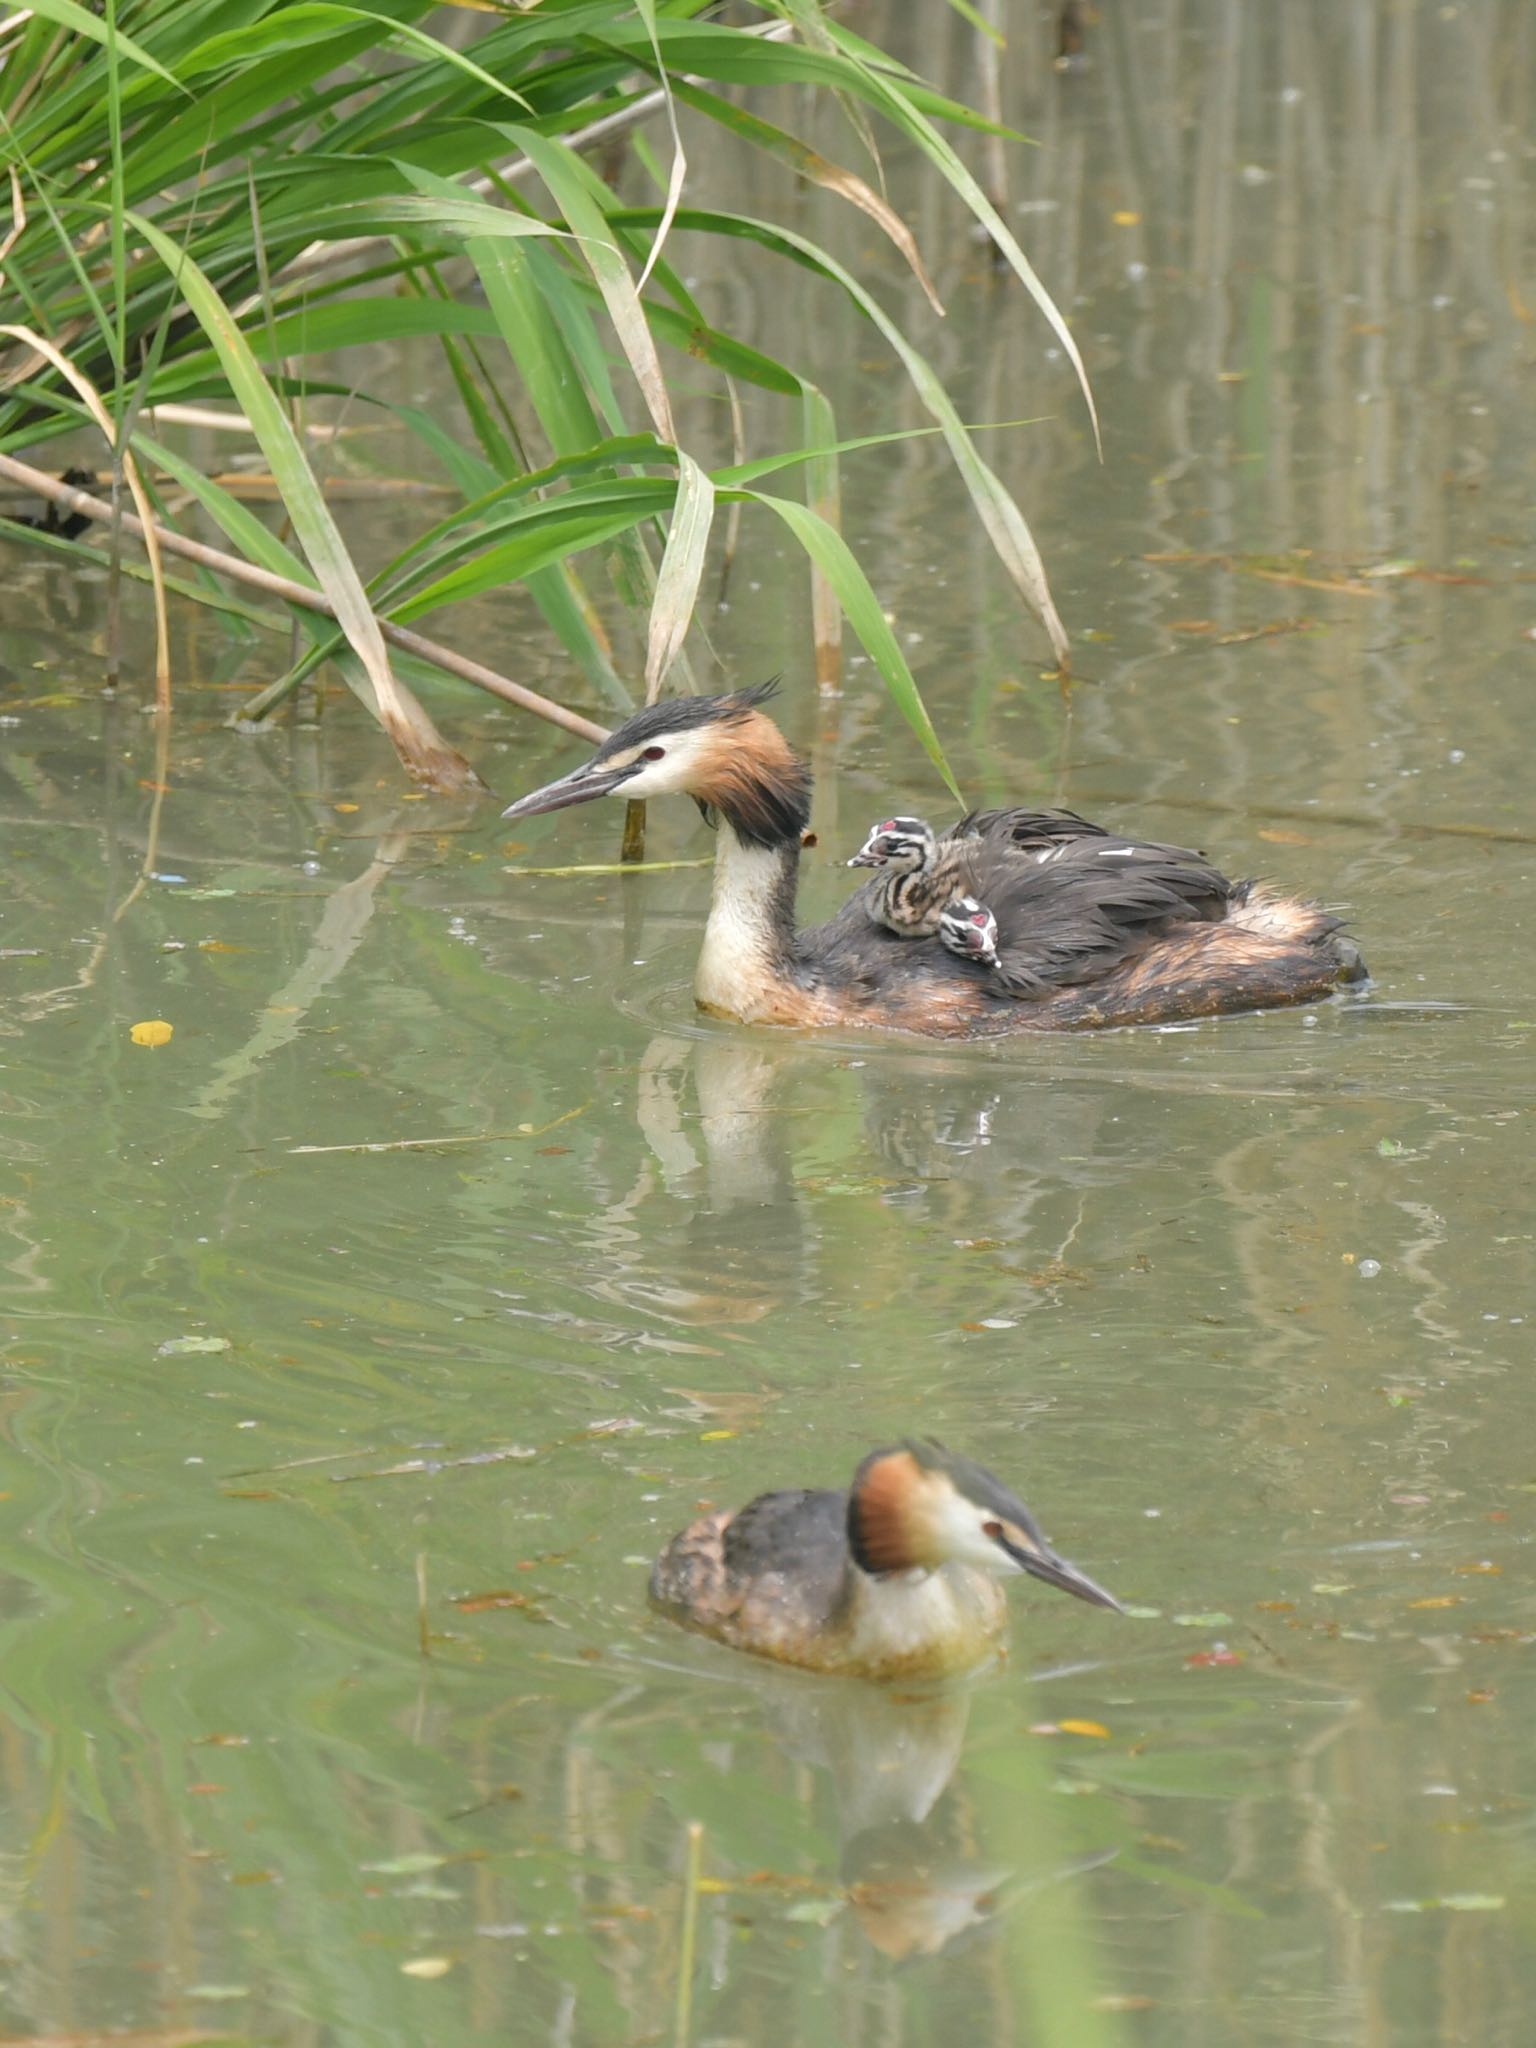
761, 794
746, 964
920, 1622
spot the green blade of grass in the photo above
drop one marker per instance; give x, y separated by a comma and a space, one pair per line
421, 747
858, 600
810, 163
566, 178
1005, 524
80, 19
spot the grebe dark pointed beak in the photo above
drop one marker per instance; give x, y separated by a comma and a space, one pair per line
867, 860
579, 787
1055, 1571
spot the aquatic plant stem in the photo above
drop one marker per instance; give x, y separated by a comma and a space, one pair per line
73, 500
124, 470
687, 1944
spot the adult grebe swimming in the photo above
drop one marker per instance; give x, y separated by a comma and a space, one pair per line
896, 1578
1091, 929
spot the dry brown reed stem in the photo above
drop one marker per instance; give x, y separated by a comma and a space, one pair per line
72, 500
91, 398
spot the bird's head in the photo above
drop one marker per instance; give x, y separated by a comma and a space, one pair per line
722, 751
904, 845
969, 928
916, 1506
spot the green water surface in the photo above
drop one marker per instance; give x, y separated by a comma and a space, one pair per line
362, 1344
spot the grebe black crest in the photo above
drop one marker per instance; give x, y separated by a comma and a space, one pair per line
1090, 929
898, 1577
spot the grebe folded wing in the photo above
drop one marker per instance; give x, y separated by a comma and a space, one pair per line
1029, 830
1091, 905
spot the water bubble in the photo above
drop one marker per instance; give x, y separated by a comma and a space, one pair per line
1368, 1268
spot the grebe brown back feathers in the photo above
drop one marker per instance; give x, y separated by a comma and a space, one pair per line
1092, 929
896, 1578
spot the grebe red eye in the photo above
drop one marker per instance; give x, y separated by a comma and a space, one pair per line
653, 754
994, 1530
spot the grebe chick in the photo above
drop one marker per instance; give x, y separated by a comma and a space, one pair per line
1092, 929
968, 928
919, 878
896, 1578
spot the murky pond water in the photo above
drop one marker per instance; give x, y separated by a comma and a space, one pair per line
362, 1344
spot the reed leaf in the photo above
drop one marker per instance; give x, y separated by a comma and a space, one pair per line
827, 546
220, 193
682, 570
422, 750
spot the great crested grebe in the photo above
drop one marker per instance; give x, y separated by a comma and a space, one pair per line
1092, 929
921, 894
920, 877
896, 1578
968, 928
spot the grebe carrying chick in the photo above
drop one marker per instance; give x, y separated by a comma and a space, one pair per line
896, 1578
1091, 929
921, 890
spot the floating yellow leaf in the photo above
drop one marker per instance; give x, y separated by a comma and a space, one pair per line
715, 1436
427, 1966
1438, 1600
1084, 1728
153, 1031
345, 809
1124, 218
